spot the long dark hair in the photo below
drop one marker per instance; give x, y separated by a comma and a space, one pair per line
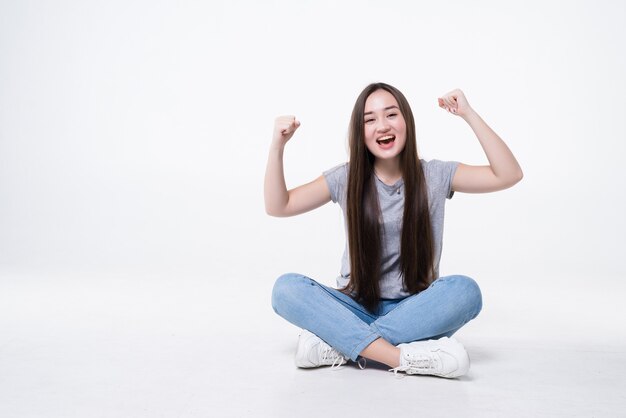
364, 217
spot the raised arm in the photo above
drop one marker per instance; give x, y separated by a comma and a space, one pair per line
503, 170
278, 200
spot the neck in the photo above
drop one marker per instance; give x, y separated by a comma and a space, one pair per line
388, 171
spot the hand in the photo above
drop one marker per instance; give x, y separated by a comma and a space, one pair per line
455, 103
284, 128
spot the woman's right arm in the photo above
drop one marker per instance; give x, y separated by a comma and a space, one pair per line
278, 200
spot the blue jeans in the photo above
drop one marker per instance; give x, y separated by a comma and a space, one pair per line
439, 311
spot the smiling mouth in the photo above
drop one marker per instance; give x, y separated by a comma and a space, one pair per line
386, 139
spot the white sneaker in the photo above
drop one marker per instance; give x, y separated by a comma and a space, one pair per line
314, 352
445, 357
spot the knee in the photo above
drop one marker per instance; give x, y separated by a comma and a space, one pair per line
285, 290
469, 296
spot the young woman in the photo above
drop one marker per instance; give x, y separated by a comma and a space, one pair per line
391, 306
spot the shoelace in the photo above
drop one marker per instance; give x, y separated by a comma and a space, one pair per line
362, 362
329, 353
337, 363
422, 363
338, 359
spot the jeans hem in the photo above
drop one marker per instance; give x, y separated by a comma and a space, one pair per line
354, 355
381, 333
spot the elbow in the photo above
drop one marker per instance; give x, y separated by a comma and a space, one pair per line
270, 208
519, 176
515, 178
273, 212
270, 211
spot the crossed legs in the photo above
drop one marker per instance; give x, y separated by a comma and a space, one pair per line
443, 308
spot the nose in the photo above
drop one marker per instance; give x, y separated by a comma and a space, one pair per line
382, 126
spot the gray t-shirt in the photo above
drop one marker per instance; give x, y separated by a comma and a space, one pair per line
439, 176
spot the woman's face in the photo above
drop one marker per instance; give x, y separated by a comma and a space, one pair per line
385, 128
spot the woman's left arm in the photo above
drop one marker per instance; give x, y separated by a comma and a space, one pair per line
503, 170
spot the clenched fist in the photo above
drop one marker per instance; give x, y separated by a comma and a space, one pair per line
455, 103
284, 128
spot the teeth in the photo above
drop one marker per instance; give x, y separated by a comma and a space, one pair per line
385, 139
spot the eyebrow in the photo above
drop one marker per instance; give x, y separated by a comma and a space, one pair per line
387, 108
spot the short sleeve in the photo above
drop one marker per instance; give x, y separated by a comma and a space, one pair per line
336, 179
439, 175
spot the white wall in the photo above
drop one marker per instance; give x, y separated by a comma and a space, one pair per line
133, 134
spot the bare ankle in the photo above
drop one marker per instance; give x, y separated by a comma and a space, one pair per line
383, 352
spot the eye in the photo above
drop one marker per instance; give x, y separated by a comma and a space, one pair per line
369, 120
392, 115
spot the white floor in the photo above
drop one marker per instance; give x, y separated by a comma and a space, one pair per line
124, 346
